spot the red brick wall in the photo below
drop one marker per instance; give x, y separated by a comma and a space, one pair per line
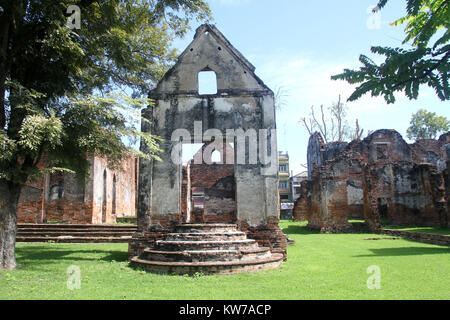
415, 194
422, 149
217, 180
384, 177
270, 235
30, 212
69, 212
77, 205
206, 176
30, 208
302, 205
185, 193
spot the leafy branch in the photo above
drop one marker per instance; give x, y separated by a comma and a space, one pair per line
405, 70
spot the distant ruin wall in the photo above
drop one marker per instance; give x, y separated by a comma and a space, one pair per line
378, 178
60, 197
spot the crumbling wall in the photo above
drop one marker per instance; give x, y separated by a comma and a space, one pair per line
220, 201
446, 174
302, 206
355, 198
383, 146
318, 151
218, 183
385, 178
426, 151
412, 194
186, 193
242, 104
30, 207
444, 141
113, 190
61, 197
66, 201
329, 201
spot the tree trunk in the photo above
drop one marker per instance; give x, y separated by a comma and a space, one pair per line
9, 197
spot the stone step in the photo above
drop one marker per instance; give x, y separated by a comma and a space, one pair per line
75, 226
74, 233
207, 236
202, 228
73, 230
209, 267
24, 230
206, 248
70, 239
175, 245
205, 255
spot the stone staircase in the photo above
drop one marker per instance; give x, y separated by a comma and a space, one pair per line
74, 233
207, 249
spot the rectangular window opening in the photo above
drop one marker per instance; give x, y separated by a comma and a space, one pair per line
207, 83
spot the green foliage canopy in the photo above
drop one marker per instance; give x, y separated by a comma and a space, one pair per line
69, 94
427, 125
405, 70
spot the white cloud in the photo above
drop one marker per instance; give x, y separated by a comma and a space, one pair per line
307, 82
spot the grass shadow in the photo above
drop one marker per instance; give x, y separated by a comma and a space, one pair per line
405, 251
290, 230
431, 230
119, 256
36, 256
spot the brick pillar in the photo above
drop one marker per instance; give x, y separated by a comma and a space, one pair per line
371, 213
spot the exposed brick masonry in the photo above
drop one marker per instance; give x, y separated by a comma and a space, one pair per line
105, 195
380, 177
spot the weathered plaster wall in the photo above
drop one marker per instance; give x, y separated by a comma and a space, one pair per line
114, 191
242, 103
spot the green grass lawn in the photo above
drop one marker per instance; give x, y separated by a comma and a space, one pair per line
434, 230
319, 266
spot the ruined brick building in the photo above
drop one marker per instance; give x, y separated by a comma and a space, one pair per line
199, 217
104, 196
205, 216
380, 177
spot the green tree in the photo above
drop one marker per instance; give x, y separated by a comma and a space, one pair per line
59, 86
407, 69
427, 125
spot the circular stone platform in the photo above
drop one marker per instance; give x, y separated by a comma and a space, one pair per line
207, 249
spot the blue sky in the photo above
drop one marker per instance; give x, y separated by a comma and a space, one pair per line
297, 45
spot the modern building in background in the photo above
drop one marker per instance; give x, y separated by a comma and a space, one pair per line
296, 181
285, 187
